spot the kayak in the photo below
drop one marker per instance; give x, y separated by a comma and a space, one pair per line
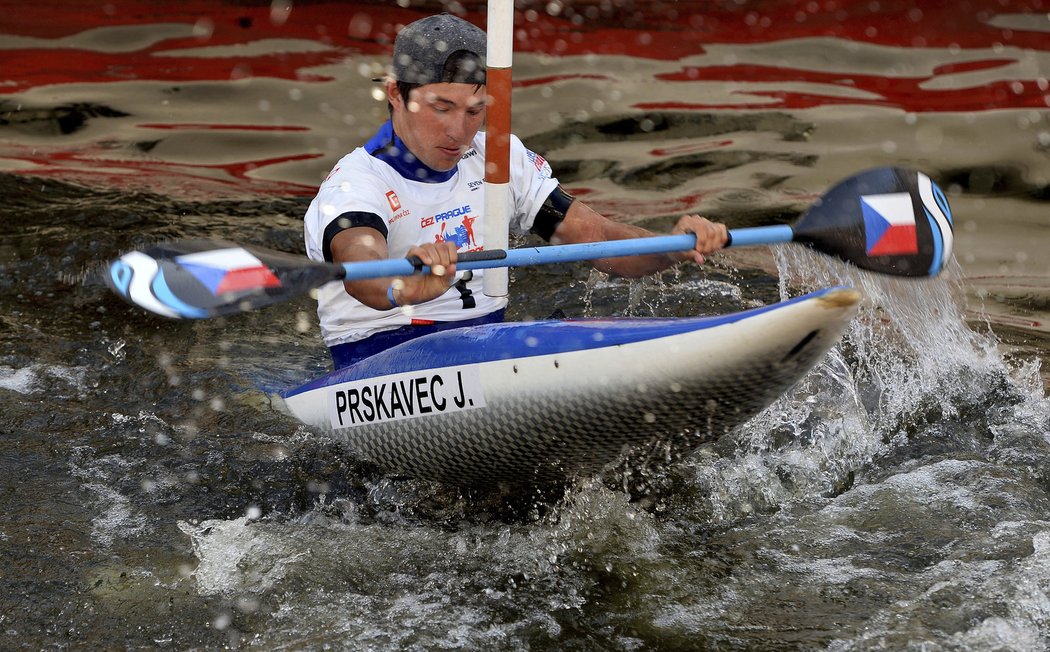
547, 400
539, 401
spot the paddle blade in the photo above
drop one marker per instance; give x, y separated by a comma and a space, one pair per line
195, 279
888, 220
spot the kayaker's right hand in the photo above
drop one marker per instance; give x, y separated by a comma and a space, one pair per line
710, 236
440, 257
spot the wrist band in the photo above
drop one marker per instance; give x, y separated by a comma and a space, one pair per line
390, 295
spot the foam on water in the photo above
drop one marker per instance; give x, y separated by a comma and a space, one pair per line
116, 519
17, 380
105, 478
422, 586
38, 377
990, 605
953, 551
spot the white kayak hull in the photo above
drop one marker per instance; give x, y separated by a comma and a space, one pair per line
538, 401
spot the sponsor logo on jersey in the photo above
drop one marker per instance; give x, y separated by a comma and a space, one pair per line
431, 220
405, 396
889, 224
398, 216
455, 212
462, 236
392, 199
541, 164
474, 185
469, 153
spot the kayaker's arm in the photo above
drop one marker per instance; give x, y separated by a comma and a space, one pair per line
363, 243
583, 224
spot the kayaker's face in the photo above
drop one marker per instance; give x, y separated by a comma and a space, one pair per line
438, 122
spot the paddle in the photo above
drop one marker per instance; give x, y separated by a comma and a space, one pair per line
887, 220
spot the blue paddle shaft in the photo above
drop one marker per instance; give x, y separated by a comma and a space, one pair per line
760, 235
167, 278
663, 244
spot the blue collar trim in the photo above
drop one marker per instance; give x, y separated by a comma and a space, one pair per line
387, 147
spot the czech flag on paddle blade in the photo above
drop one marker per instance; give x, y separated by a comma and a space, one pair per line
889, 224
229, 270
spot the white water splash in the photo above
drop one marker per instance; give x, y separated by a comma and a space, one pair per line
908, 361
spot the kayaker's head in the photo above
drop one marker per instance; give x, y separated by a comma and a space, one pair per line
436, 88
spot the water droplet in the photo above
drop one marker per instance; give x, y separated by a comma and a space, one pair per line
116, 349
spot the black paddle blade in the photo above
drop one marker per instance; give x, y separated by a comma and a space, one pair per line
887, 220
195, 279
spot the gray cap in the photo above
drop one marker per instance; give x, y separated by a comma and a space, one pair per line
423, 48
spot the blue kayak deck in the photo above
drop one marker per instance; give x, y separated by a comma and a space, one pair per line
510, 340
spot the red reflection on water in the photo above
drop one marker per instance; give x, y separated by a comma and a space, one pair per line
689, 148
192, 126
30, 68
553, 79
98, 166
629, 210
663, 31
912, 94
60, 43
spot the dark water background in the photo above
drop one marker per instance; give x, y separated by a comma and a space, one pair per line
897, 499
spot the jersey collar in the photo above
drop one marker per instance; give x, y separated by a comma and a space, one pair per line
387, 147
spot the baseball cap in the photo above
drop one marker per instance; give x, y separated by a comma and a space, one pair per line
423, 49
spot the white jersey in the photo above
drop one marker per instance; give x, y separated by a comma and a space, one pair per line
414, 213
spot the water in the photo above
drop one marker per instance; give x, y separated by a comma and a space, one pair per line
896, 499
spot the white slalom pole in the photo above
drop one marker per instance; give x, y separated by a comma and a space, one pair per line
497, 138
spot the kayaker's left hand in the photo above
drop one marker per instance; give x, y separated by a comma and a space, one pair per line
710, 236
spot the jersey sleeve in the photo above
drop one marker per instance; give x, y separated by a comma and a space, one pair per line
532, 181
350, 196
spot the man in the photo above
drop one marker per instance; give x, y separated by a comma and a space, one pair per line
415, 189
